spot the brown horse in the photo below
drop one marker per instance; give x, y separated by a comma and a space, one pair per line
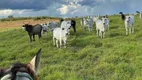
20, 71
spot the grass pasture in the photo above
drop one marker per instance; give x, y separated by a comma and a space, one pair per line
87, 57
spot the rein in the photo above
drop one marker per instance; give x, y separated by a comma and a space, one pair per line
20, 74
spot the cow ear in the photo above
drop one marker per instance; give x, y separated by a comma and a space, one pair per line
35, 62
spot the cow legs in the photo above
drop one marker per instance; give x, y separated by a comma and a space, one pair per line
126, 31
54, 42
74, 28
30, 36
132, 29
33, 37
103, 34
65, 43
108, 27
89, 29
57, 44
97, 32
39, 35
60, 43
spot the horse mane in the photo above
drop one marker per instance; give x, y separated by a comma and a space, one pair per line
19, 67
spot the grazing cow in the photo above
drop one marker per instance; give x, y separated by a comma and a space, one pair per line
20, 71
52, 25
140, 14
33, 30
100, 28
60, 34
129, 23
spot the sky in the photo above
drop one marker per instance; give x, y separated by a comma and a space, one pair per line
67, 8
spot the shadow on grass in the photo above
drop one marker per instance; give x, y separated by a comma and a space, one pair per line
114, 27
114, 34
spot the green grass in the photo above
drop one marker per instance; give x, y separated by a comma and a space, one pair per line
87, 57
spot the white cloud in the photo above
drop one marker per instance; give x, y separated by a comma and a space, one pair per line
63, 10
7, 12
70, 8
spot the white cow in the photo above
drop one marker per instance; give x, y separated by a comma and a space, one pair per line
87, 23
60, 34
84, 23
129, 24
100, 28
90, 23
95, 18
44, 28
66, 25
81, 21
106, 20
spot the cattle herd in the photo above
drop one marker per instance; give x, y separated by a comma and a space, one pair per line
62, 32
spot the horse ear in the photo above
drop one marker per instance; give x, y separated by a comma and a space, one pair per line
35, 62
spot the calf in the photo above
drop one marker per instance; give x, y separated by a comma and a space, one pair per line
33, 30
60, 34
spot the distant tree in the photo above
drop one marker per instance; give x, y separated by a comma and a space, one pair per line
10, 16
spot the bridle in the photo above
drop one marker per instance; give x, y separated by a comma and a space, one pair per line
20, 72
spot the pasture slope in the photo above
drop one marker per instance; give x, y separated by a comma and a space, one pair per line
87, 57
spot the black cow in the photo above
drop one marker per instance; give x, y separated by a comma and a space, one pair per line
122, 16
33, 30
73, 25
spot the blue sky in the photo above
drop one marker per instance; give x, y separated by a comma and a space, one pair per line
67, 8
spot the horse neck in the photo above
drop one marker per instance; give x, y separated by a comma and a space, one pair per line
29, 71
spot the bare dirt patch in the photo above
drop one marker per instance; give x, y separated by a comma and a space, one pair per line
8, 25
